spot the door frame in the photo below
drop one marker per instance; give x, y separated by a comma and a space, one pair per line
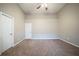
31, 31
12, 21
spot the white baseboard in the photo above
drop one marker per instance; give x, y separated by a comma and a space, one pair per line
13, 46
45, 38
18, 42
70, 43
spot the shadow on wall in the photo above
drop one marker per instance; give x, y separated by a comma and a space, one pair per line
45, 36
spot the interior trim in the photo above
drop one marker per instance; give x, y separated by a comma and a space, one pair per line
45, 38
70, 43
18, 42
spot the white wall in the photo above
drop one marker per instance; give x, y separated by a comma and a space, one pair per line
43, 26
13, 10
69, 23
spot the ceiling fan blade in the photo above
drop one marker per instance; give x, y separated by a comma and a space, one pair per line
38, 7
46, 8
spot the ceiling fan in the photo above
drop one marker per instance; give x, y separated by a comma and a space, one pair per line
42, 5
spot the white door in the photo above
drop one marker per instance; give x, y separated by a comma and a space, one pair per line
7, 31
28, 30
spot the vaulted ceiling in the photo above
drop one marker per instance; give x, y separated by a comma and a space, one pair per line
30, 8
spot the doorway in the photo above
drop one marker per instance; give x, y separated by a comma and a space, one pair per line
28, 30
7, 30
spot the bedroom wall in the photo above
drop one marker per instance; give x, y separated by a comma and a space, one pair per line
43, 26
69, 23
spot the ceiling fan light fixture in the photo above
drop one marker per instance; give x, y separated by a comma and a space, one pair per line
46, 8
44, 5
38, 7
